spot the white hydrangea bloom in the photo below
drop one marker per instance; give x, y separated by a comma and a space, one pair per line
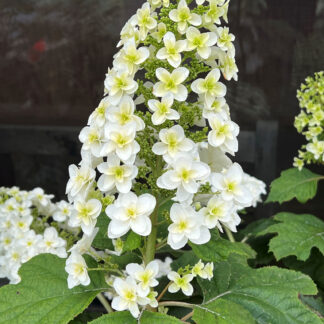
77, 269
171, 83
130, 212
180, 282
187, 225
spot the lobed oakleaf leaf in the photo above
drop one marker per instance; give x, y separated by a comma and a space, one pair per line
43, 295
297, 235
219, 249
293, 183
269, 295
146, 318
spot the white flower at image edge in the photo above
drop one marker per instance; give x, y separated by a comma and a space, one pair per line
145, 276
187, 225
129, 296
130, 212
76, 267
180, 282
85, 214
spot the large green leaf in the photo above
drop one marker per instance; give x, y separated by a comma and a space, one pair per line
43, 296
297, 235
126, 318
293, 183
269, 295
101, 241
219, 249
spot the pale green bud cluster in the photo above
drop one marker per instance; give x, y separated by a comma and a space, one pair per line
310, 121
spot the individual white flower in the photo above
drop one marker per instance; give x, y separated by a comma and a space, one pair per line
171, 83
209, 270
124, 114
144, 276
52, 243
144, 20
180, 282
121, 140
230, 185
223, 134
40, 198
118, 246
219, 107
129, 296
198, 269
173, 142
63, 211
98, 116
130, 212
187, 225
129, 31
209, 88
217, 211
228, 65
85, 214
225, 39
172, 49
131, 56
30, 243
80, 180
77, 269
164, 267
317, 148
201, 42
213, 15
92, 139
22, 223
256, 188
161, 31
214, 157
84, 245
152, 297
162, 110
184, 176
183, 17
116, 175
119, 83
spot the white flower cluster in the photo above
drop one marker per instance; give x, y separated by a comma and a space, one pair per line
139, 137
24, 230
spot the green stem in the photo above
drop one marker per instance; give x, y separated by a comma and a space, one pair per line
229, 234
104, 302
151, 240
177, 304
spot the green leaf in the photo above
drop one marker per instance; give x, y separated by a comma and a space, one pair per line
316, 304
124, 259
293, 183
219, 249
313, 266
222, 312
133, 241
297, 235
255, 228
43, 295
101, 240
146, 318
269, 295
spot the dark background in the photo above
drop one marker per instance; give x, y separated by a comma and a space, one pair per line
54, 55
